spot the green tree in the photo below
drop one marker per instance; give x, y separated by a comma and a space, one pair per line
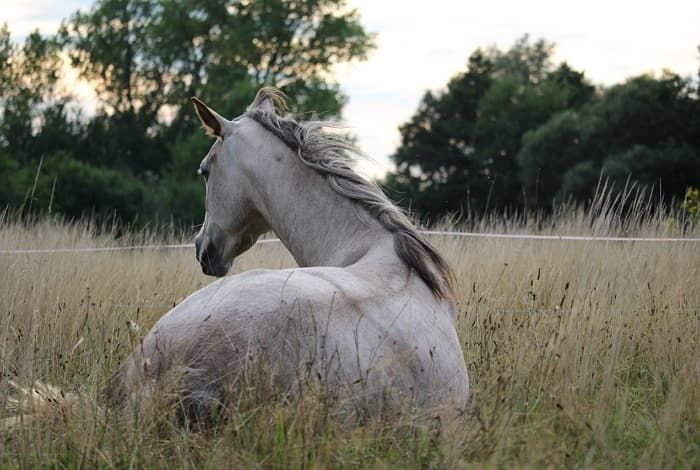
506, 112
458, 151
28, 76
290, 44
514, 131
145, 54
64, 184
526, 61
436, 162
29, 103
145, 58
641, 130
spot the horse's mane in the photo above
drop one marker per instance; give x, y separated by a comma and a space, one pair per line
330, 155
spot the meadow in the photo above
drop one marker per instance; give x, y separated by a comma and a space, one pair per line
581, 353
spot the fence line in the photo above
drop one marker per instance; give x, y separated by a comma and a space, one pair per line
425, 232
558, 237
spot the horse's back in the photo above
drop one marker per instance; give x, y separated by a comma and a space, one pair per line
352, 335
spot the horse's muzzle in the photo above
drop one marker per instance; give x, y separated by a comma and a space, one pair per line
210, 259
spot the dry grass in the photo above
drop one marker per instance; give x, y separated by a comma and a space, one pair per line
580, 354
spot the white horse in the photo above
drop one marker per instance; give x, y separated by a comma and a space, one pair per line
369, 315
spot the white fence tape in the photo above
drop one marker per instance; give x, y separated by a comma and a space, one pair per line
559, 237
426, 232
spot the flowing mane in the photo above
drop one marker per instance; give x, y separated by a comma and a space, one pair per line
330, 156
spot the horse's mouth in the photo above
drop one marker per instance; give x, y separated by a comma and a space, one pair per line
213, 270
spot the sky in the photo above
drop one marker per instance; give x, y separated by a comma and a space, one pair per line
422, 44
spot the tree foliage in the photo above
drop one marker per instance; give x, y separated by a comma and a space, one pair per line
517, 131
513, 130
639, 131
145, 58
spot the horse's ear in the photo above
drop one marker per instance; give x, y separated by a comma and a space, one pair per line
213, 123
270, 100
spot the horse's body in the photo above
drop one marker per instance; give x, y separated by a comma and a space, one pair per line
369, 316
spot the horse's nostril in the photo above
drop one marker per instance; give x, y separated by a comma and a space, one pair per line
204, 257
208, 260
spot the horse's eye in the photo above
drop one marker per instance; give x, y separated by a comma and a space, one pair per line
203, 172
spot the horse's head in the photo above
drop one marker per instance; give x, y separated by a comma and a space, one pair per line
232, 223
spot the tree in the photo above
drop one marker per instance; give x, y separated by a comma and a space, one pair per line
525, 61
436, 162
292, 45
641, 131
514, 131
506, 112
458, 152
29, 103
548, 152
144, 54
28, 76
146, 58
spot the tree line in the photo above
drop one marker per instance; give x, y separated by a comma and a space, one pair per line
136, 157
513, 131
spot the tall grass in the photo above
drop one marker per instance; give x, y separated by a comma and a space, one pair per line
581, 353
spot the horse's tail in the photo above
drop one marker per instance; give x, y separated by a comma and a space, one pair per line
26, 404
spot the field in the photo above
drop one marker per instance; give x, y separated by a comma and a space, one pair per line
581, 353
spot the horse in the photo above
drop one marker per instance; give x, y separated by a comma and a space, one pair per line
369, 314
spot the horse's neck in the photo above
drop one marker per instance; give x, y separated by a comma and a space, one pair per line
317, 225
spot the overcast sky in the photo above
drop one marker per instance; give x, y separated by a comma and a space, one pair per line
422, 44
